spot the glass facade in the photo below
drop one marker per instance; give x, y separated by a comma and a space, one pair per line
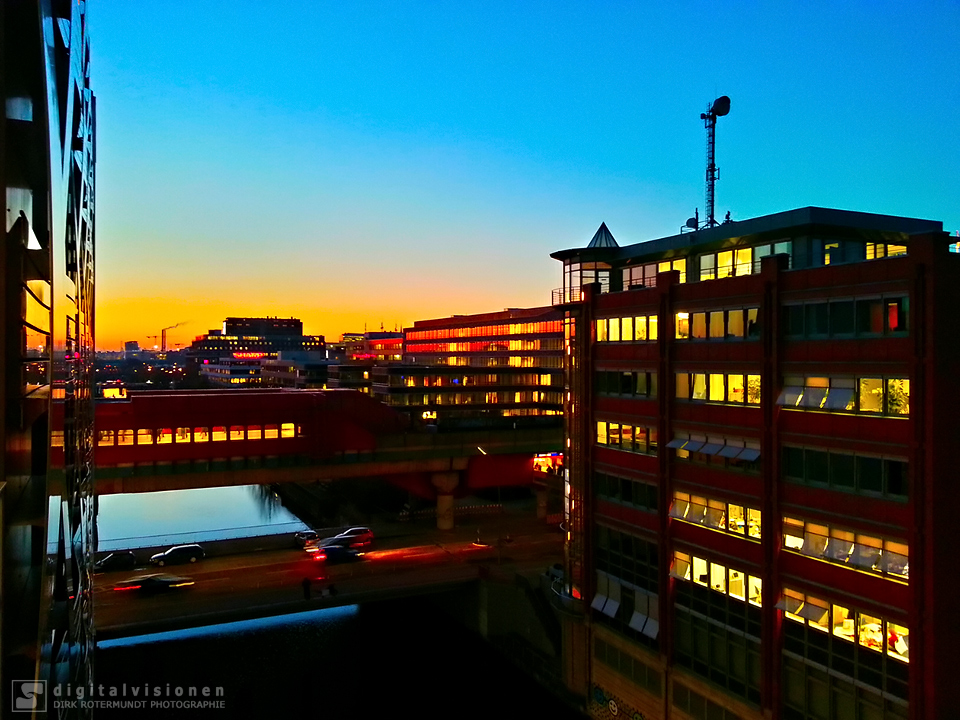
49, 185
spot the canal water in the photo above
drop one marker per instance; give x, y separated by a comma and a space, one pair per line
133, 520
394, 660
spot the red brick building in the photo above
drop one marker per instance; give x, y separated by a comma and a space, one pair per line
760, 486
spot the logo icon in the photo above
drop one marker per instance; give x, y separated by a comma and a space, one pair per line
29, 696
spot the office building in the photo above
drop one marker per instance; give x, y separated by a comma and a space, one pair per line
47, 174
760, 476
490, 365
253, 339
304, 370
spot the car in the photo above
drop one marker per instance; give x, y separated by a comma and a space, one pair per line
178, 554
120, 560
336, 554
303, 537
150, 584
356, 537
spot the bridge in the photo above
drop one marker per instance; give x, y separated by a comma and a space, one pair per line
192, 439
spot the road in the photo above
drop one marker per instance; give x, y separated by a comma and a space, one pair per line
271, 582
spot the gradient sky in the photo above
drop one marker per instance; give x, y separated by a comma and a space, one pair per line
358, 163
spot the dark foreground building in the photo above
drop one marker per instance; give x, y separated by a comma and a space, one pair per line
46, 349
761, 479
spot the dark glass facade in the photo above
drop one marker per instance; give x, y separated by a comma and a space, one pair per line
46, 343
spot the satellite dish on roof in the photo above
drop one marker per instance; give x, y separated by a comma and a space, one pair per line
692, 223
721, 106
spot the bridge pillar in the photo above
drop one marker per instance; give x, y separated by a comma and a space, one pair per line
541, 495
445, 482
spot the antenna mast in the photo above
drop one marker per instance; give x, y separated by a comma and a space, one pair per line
719, 108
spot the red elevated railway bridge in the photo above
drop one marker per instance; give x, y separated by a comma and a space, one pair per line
188, 439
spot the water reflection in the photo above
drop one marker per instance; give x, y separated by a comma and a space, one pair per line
266, 501
134, 520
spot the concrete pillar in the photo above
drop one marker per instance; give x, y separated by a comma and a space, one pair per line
541, 495
445, 482
444, 512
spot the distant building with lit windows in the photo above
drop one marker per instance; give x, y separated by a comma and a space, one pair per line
501, 364
304, 370
760, 478
253, 339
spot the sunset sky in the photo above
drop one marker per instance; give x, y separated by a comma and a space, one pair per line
357, 163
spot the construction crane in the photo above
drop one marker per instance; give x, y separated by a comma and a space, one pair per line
163, 335
154, 338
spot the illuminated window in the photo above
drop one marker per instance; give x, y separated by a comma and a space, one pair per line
699, 326
700, 575
699, 386
898, 642
755, 591
791, 604
652, 327
626, 331
716, 388
842, 621
56, 438
183, 435
614, 330
736, 520
287, 430
737, 585
896, 315
724, 265
124, 437
753, 389
708, 267
831, 251
201, 434
716, 328
219, 433
753, 523
271, 432
898, 396
718, 578
254, 432
165, 436
744, 261
735, 388
613, 434
869, 632
683, 325
640, 328
895, 560
236, 432
144, 437
871, 395
681, 267
601, 330
104, 437
793, 533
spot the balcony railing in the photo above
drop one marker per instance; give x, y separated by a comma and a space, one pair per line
564, 296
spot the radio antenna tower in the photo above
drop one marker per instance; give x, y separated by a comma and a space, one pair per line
719, 108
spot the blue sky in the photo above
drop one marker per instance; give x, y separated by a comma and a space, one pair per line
367, 163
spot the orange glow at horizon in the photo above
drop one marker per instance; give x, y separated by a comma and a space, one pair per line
119, 320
